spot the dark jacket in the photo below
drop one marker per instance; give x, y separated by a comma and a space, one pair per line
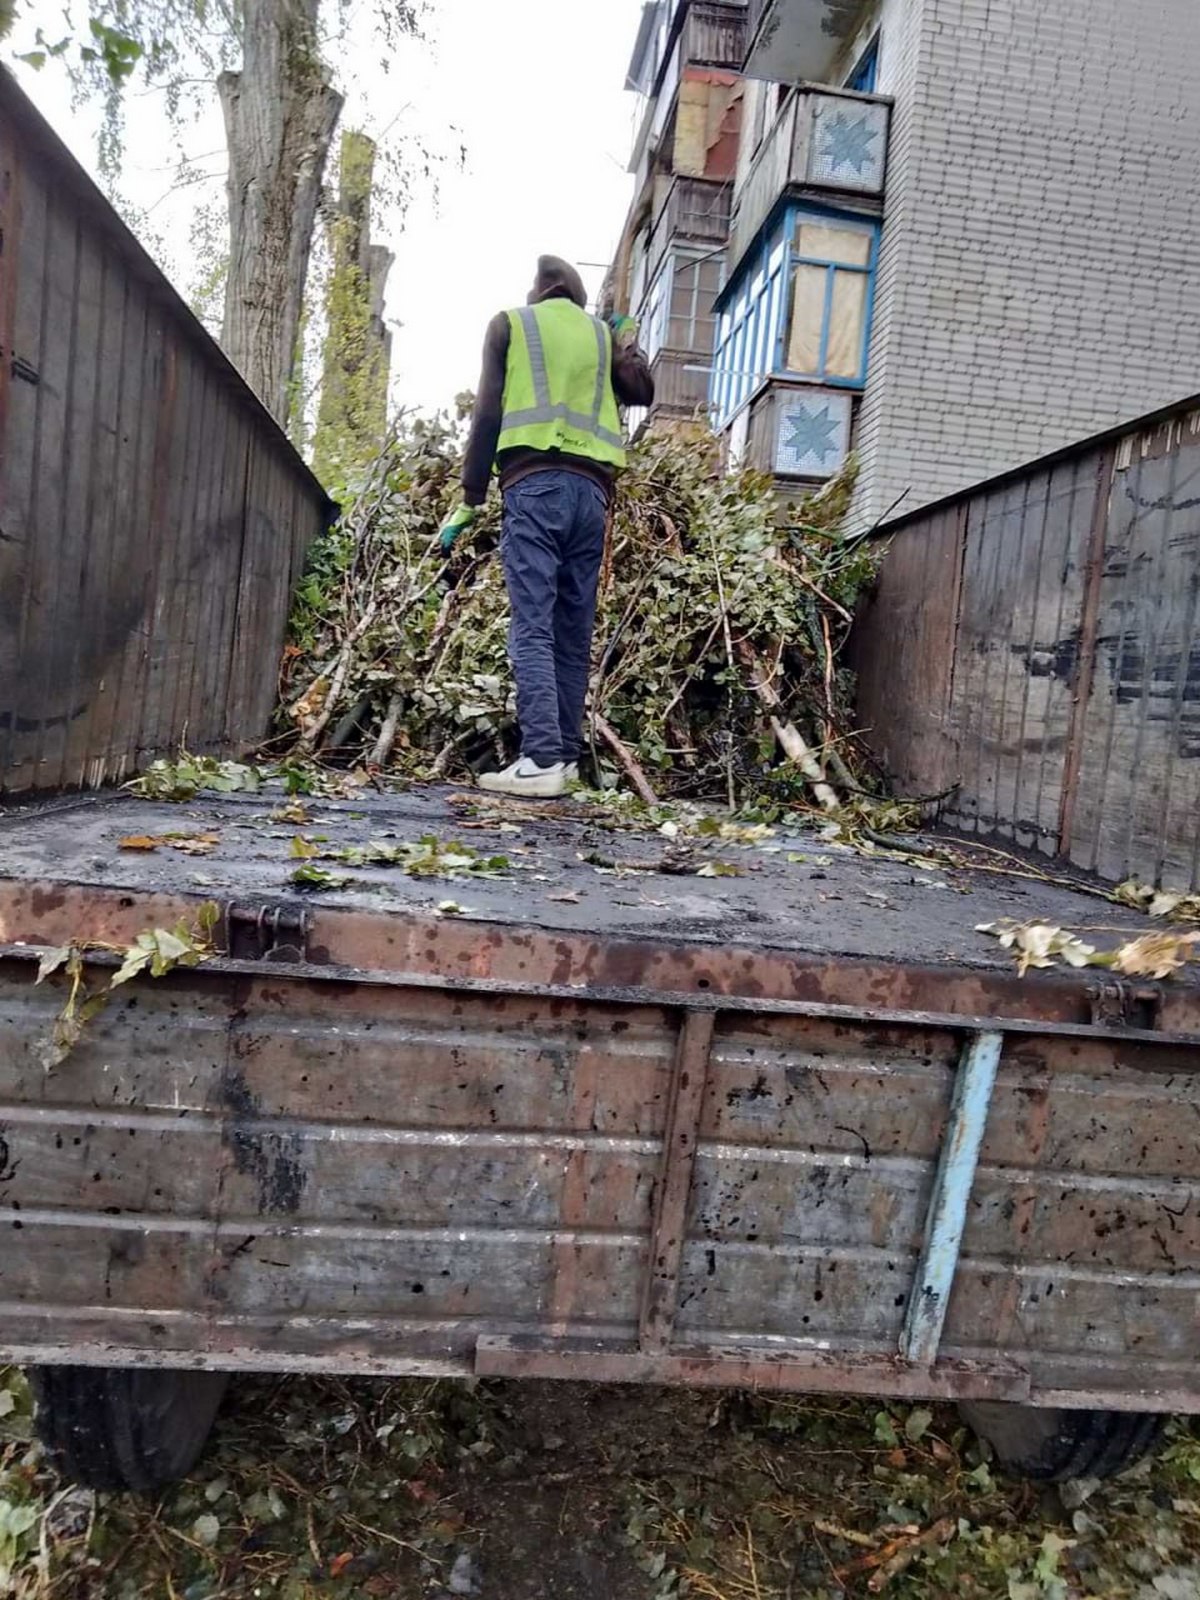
632, 384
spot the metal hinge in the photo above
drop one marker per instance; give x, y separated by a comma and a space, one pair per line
267, 933
1117, 1004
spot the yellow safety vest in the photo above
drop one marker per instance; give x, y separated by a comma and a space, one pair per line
558, 392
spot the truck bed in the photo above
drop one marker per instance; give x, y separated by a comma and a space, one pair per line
600, 1117
570, 869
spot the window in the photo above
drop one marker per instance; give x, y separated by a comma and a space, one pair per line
827, 322
800, 305
677, 313
656, 311
748, 325
866, 73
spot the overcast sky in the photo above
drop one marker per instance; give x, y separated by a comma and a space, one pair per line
533, 89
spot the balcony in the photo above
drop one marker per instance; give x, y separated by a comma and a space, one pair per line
695, 212
827, 145
680, 384
715, 36
798, 41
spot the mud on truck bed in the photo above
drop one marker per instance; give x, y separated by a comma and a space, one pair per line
601, 1116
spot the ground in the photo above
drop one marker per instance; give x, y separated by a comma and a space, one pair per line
505, 1491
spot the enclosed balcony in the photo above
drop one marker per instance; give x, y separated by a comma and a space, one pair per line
798, 41
827, 145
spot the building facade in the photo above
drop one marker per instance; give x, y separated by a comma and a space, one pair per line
671, 263
963, 233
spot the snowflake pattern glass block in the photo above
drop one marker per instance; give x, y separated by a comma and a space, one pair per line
848, 148
812, 432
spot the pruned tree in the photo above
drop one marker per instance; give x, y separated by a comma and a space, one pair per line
281, 108
356, 355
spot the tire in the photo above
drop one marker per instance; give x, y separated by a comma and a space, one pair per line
1050, 1446
123, 1428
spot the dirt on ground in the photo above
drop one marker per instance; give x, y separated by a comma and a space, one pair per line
504, 1491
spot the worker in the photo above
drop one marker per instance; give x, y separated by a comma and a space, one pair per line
546, 415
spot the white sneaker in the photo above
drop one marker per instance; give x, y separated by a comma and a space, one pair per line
525, 777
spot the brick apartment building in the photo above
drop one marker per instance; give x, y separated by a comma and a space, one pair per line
962, 233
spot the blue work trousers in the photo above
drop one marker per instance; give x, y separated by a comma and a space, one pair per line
552, 547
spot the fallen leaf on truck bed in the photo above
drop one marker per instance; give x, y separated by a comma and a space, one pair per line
1171, 903
1040, 944
1156, 955
191, 844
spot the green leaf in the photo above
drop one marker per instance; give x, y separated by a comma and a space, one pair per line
52, 960
917, 1424
885, 1430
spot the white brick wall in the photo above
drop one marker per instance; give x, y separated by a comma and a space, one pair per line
1038, 274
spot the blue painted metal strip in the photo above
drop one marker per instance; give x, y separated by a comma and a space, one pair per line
947, 1218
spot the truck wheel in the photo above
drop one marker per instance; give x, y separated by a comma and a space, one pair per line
125, 1428
1052, 1445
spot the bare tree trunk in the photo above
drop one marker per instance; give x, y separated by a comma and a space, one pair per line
280, 113
352, 418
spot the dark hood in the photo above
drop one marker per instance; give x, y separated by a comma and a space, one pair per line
557, 280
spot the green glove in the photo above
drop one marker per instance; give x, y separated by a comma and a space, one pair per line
624, 329
462, 518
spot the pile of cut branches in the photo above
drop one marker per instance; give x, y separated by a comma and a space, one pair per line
717, 659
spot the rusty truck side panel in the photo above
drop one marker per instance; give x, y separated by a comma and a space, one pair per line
373, 1139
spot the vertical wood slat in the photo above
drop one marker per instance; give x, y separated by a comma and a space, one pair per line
203, 696
41, 652
145, 376
73, 615
199, 567
100, 631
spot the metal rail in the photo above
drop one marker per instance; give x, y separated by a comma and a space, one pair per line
938, 1262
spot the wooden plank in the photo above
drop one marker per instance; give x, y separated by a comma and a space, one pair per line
114, 730
903, 652
44, 652
104, 636
169, 595
203, 711
128, 1161
1053, 656
78, 610
232, 523
1003, 712
18, 715
198, 567
153, 1264
88, 748
156, 399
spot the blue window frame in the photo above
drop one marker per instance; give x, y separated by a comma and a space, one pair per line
866, 73
799, 306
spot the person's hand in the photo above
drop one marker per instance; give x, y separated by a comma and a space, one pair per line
624, 329
462, 518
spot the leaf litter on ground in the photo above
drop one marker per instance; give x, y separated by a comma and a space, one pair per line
378, 1490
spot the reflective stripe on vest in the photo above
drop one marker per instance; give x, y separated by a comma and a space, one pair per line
542, 425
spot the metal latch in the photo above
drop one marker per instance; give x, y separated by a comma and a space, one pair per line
267, 933
1117, 1004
